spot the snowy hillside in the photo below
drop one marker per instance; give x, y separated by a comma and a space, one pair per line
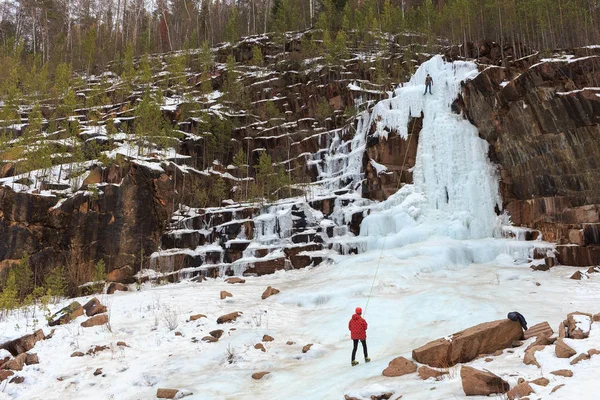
433, 259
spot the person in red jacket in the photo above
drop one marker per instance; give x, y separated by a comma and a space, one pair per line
358, 331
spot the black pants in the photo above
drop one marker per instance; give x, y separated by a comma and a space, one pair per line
364, 344
427, 86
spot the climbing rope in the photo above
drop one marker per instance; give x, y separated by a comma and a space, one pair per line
385, 237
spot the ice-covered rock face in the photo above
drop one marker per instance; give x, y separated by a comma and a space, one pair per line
455, 188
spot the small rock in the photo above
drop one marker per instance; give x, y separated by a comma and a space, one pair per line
574, 329
563, 350
96, 349
32, 359
116, 287
567, 373
581, 357
488, 359
593, 352
197, 316
529, 358
17, 379
77, 354
259, 375
93, 307
166, 393
259, 346
538, 284
289, 343
520, 380
178, 333
122, 344
540, 267
267, 338
556, 388
306, 348
234, 280
521, 390
210, 339
550, 261
593, 270
562, 330
98, 372
96, 320
541, 382
5, 374
541, 329
541, 341
596, 317
228, 317
270, 291
498, 353
400, 366
225, 294
425, 373
516, 343
576, 276
217, 333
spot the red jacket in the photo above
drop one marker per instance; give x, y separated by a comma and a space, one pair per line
358, 327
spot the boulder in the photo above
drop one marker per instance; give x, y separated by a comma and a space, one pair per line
541, 381
270, 291
596, 317
541, 329
259, 346
197, 316
17, 363
567, 373
520, 391
5, 374
581, 357
400, 366
17, 379
290, 342
225, 294
259, 375
114, 287
481, 383
217, 333
210, 339
167, 393
466, 345
541, 341
96, 349
234, 280
306, 348
562, 330
579, 325
425, 373
24, 343
67, 314
529, 358
593, 352
267, 338
121, 275
228, 317
122, 344
576, 276
93, 307
96, 320
98, 371
31, 359
563, 350
77, 354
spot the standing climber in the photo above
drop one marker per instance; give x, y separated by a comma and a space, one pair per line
358, 331
428, 84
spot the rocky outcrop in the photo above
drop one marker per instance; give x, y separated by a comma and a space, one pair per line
466, 345
543, 123
23, 344
67, 314
481, 383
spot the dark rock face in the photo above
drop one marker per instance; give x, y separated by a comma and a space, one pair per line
544, 132
122, 227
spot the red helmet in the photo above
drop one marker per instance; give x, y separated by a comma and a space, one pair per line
358, 310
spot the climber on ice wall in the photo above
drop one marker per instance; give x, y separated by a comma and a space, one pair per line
428, 84
358, 331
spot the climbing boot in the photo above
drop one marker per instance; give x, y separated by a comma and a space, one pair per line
354, 362
367, 359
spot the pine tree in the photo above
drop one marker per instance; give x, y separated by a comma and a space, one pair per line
257, 58
99, 271
55, 282
23, 277
9, 295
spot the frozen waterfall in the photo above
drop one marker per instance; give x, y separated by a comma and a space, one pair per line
455, 190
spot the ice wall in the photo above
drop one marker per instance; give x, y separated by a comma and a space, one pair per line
455, 188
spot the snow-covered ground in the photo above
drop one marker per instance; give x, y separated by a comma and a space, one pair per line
414, 300
433, 264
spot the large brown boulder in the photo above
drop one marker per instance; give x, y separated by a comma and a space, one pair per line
5, 375
93, 307
541, 329
481, 383
466, 345
563, 350
400, 366
269, 291
578, 325
67, 314
23, 344
17, 363
521, 390
228, 317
